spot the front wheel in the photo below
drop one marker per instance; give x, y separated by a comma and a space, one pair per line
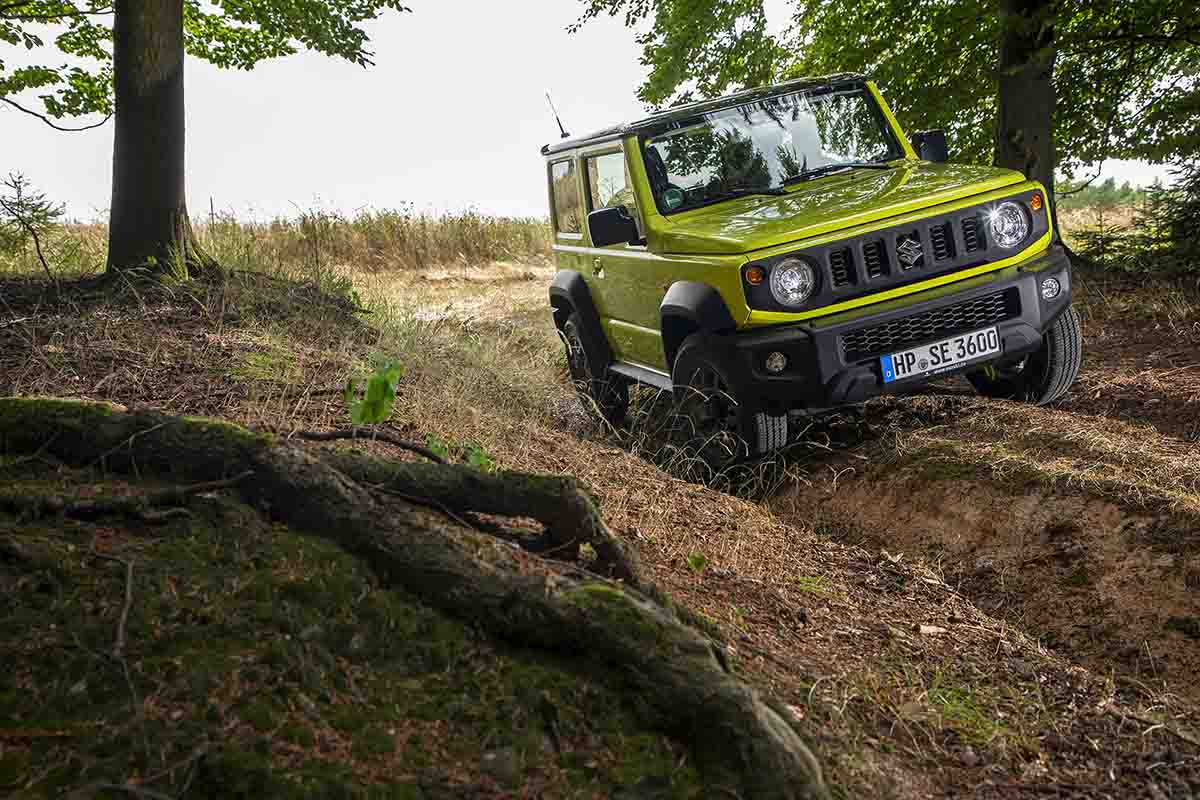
708, 419
1044, 375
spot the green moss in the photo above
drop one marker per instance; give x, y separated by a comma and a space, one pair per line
275, 364
1188, 626
1080, 577
604, 601
260, 640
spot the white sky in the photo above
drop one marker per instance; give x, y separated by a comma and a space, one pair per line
451, 116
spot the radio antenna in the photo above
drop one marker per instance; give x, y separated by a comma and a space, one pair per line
565, 135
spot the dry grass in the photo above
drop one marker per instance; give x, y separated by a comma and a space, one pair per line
1132, 464
318, 241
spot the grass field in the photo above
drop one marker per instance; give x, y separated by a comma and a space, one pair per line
954, 597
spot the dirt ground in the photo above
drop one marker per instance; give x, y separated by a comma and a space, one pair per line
959, 598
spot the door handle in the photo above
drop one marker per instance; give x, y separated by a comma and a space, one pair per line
598, 268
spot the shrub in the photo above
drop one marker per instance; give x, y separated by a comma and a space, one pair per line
1165, 235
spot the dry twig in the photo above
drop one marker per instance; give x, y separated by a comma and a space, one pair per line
381, 436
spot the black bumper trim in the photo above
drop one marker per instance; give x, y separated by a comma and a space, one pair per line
821, 374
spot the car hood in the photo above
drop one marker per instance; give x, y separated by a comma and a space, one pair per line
825, 205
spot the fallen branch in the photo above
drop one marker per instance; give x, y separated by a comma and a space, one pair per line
381, 436
118, 648
676, 677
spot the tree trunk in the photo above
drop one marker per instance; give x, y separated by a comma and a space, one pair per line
1025, 108
148, 220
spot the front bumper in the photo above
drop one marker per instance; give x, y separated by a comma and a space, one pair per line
834, 361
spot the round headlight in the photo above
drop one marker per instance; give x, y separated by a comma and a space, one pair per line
1009, 224
792, 282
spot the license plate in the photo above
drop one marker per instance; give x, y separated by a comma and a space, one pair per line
930, 359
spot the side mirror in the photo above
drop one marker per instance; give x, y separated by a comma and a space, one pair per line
931, 145
612, 226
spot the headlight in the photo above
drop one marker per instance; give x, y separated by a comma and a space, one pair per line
792, 282
1009, 224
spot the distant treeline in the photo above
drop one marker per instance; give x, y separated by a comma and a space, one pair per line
1098, 194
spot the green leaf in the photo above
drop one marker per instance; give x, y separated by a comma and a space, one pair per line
478, 458
439, 447
378, 399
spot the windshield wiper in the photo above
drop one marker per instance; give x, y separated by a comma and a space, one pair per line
829, 169
774, 191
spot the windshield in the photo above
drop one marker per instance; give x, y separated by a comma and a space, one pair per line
764, 145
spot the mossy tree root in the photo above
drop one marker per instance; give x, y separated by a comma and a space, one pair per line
682, 683
559, 502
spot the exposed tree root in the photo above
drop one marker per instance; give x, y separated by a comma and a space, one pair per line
140, 507
682, 683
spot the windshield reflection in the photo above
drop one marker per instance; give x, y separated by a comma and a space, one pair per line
761, 146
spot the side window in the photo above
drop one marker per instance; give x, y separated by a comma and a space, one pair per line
568, 208
609, 185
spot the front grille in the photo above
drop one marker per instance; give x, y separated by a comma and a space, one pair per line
972, 236
906, 332
942, 241
841, 267
875, 259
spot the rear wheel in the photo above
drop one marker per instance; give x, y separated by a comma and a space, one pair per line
1044, 375
607, 394
708, 420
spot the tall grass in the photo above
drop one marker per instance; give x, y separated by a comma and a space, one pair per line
316, 242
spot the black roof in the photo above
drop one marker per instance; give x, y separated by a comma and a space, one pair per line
667, 115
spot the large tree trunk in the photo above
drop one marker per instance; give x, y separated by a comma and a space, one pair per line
148, 220
1025, 109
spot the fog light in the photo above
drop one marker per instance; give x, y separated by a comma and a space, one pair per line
1051, 288
776, 362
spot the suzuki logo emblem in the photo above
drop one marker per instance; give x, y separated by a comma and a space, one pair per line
909, 251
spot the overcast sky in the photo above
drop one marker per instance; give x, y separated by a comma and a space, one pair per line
451, 116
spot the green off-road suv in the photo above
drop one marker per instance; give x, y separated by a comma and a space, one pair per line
786, 250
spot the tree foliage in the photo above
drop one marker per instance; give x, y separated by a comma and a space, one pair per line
228, 33
1126, 72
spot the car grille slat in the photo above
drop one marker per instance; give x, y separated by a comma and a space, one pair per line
942, 240
841, 267
900, 334
875, 258
972, 236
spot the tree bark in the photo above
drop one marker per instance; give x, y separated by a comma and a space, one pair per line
1025, 107
148, 219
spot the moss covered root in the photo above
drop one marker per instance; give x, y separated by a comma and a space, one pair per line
682, 682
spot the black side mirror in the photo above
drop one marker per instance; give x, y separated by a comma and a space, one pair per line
612, 226
931, 145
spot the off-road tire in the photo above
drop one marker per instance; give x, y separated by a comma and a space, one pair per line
1044, 375
707, 418
607, 394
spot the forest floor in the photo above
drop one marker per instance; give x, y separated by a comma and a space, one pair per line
955, 597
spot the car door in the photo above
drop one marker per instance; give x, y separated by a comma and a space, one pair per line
626, 293
567, 215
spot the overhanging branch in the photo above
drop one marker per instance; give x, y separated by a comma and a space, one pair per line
51, 122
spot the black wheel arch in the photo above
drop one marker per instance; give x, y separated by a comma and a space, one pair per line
569, 294
688, 307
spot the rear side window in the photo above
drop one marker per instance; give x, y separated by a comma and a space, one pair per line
609, 185
568, 208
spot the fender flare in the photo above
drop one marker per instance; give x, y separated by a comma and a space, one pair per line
569, 294
690, 306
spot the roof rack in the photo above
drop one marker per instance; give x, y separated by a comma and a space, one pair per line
668, 115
